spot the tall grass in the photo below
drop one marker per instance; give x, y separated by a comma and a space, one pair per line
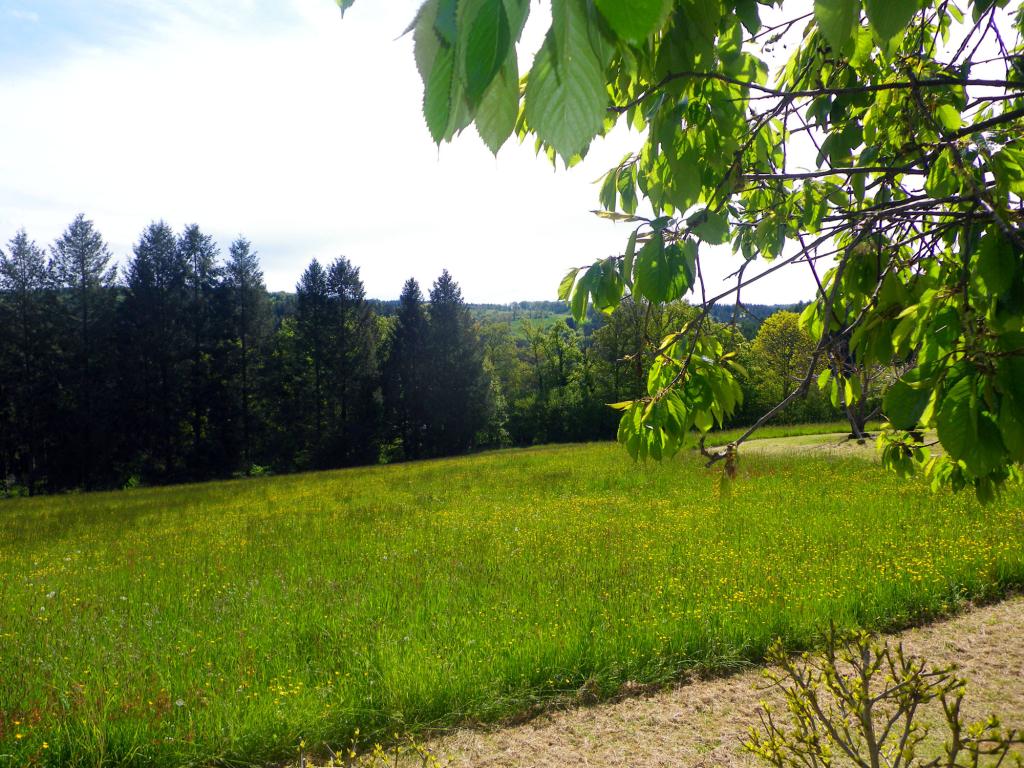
227, 622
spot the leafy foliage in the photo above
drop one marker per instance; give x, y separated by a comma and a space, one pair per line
884, 155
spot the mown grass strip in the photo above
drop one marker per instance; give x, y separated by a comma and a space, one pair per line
771, 431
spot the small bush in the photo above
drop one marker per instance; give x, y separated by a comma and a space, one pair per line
407, 751
859, 702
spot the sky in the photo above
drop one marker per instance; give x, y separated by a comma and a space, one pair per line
280, 121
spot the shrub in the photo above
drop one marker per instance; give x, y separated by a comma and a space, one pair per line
860, 701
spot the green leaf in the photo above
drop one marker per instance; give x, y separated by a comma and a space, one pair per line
949, 116
628, 258
957, 424
565, 287
484, 44
941, 180
824, 377
862, 48
1009, 375
851, 390
838, 21
903, 404
697, 25
703, 420
967, 434
627, 189
344, 5
662, 273
566, 109
607, 288
1011, 425
427, 42
857, 183
1008, 167
811, 320
890, 17
1010, 368
683, 187
517, 12
713, 227
996, 263
607, 195
749, 16
437, 98
499, 109
636, 20
580, 296
444, 106
444, 21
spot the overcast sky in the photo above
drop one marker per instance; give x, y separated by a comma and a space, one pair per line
278, 120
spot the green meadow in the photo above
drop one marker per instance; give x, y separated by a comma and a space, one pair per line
228, 623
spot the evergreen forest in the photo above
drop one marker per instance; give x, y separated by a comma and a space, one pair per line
179, 365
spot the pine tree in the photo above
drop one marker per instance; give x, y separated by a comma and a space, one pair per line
86, 282
28, 355
352, 366
199, 254
313, 310
248, 321
284, 393
457, 389
405, 372
157, 351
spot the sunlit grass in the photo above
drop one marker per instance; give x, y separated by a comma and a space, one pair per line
230, 621
722, 437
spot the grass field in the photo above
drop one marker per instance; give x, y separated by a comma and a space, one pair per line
228, 622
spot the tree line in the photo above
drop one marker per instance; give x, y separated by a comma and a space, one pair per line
182, 366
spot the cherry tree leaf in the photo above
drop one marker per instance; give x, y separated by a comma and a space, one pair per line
636, 20
838, 21
565, 105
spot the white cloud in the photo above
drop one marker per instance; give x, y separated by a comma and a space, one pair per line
20, 14
305, 135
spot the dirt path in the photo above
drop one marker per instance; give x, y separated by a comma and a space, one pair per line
833, 443
704, 723
830, 443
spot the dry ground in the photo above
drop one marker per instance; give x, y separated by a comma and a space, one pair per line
833, 443
704, 723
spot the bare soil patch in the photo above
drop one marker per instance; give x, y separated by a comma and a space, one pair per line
704, 723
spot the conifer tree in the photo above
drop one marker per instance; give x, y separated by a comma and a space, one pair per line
248, 321
405, 373
352, 365
313, 310
157, 349
457, 389
199, 254
86, 282
26, 358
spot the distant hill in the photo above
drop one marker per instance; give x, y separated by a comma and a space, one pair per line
516, 310
749, 316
